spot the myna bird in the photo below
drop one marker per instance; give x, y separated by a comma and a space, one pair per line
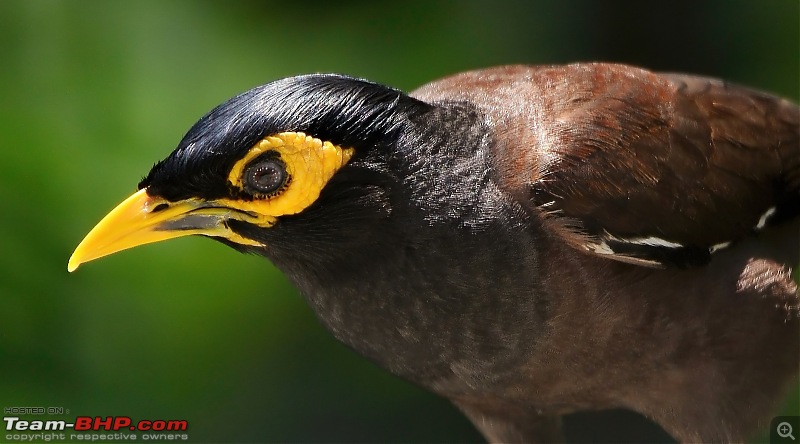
524, 241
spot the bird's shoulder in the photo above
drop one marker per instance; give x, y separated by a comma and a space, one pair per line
648, 168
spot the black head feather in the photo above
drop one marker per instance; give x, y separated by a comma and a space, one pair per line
343, 110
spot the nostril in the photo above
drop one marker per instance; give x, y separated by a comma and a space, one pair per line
160, 207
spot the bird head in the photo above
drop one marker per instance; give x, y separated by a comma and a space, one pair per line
263, 155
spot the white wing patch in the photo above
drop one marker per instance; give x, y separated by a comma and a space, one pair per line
620, 248
762, 221
651, 241
603, 248
716, 247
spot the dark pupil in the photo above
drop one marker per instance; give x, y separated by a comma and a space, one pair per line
266, 176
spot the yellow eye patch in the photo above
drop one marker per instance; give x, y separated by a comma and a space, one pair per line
310, 164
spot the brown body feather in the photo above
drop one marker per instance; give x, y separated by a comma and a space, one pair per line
614, 152
602, 152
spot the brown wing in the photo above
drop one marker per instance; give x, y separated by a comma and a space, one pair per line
636, 166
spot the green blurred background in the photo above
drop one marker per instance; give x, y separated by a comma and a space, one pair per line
92, 93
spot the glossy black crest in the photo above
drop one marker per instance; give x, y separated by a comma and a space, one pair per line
346, 111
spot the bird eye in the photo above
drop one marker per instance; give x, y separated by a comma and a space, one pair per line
265, 176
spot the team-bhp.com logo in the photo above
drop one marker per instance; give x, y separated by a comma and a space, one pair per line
88, 428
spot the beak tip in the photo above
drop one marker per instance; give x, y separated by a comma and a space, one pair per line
73, 264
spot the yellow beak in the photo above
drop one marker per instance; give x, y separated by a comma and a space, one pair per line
143, 219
